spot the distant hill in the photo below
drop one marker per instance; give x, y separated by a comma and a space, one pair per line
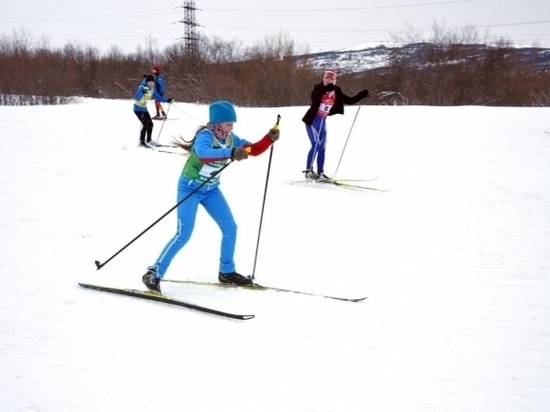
372, 57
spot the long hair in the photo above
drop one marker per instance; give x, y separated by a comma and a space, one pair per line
187, 145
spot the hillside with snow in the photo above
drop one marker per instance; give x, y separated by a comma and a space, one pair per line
372, 56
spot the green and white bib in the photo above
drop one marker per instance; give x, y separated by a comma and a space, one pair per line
196, 170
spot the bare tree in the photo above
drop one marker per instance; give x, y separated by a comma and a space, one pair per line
453, 66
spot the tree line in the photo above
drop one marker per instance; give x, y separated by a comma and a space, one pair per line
452, 68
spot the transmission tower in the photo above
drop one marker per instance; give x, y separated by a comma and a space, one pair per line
191, 39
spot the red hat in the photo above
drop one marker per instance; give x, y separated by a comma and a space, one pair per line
156, 68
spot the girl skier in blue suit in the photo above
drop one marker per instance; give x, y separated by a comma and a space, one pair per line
212, 147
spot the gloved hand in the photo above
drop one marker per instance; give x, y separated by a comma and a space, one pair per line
146, 89
170, 100
239, 153
144, 75
273, 134
364, 94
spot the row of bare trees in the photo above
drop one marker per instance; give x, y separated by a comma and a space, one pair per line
459, 67
453, 68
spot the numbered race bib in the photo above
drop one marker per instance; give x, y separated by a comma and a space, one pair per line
207, 170
326, 103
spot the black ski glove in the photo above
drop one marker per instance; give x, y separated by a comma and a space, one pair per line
364, 94
273, 135
170, 100
239, 153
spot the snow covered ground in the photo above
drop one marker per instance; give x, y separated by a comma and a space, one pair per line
454, 260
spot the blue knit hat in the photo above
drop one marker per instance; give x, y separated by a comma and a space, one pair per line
222, 111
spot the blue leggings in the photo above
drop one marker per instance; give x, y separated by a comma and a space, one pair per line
213, 201
317, 134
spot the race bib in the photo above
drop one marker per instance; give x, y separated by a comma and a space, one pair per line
326, 103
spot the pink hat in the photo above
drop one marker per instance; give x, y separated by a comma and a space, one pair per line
330, 73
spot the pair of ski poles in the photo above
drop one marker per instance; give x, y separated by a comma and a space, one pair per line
100, 265
168, 111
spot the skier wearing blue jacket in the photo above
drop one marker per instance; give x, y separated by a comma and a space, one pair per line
213, 146
160, 87
145, 92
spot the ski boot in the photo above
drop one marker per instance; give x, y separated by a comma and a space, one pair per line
322, 177
310, 174
151, 281
235, 279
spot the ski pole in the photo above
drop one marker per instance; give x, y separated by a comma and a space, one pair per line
184, 112
345, 144
263, 202
162, 126
99, 265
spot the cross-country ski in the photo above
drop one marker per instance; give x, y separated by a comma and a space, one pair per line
256, 286
164, 299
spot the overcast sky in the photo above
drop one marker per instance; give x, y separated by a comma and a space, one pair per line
322, 25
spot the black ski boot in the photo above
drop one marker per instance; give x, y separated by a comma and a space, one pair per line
310, 174
235, 279
151, 281
322, 176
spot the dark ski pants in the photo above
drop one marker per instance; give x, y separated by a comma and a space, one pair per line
147, 126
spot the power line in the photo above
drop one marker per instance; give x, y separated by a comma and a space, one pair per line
517, 24
333, 9
124, 16
359, 31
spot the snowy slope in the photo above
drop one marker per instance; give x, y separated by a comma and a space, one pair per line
454, 260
